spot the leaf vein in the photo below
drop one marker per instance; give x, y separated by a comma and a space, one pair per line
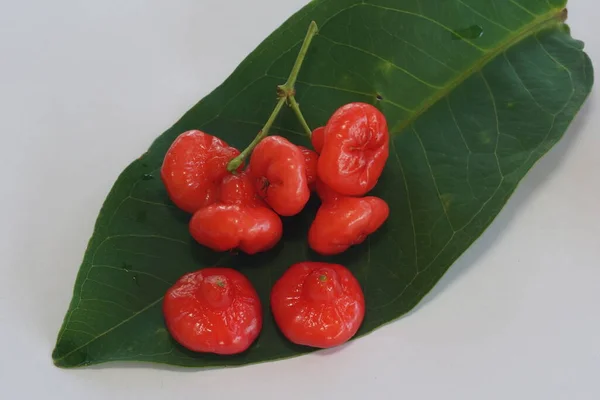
483, 16
464, 140
522, 7
131, 270
425, 18
512, 67
367, 52
412, 218
397, 105
112, 303
493, 98
434, 180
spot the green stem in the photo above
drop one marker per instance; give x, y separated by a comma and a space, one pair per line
264, 132
286, 92
296, 107
287, 88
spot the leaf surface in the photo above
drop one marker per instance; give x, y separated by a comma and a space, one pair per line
475, 92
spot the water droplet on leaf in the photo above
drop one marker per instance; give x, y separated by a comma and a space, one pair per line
126, 267
471, 32
147, 177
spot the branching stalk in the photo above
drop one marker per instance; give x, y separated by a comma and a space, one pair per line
286, 93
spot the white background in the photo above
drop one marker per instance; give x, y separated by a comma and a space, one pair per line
85, 86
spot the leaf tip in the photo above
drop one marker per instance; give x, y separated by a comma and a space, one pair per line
67, 355
58, 360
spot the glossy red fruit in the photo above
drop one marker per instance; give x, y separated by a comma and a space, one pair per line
279, 173
318, 138
324, 192
239, 220
355, 149
342, 222
193, 169
223, 227
318, 304
239, 189
214, 310
310, 162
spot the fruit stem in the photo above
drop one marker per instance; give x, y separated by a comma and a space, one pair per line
287, 89
296, 107
286, 93
236, 162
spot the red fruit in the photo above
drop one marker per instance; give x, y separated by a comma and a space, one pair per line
318, 304
239, 189
279, 173
310, 162
193, 169
214, 310
318, 139
239, 220
223, 227
324, 192
355, 150
342, 222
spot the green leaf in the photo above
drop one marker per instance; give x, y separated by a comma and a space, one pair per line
475, 92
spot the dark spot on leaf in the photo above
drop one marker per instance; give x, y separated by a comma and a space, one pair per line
147, 177
379, 97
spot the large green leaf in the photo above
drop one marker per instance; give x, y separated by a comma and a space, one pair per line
475, 92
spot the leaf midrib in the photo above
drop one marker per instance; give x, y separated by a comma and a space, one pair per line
553, 17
